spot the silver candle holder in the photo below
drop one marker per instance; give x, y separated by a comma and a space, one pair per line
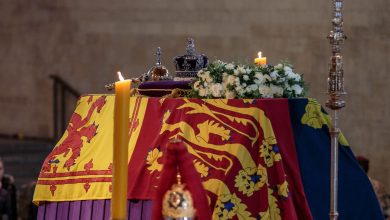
335, 101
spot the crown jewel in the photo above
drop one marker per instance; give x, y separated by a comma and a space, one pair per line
189, 64
157, 72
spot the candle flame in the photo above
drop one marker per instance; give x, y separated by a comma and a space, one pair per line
120, 76
259, 54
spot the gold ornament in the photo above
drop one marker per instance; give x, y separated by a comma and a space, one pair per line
157, 72
177, 203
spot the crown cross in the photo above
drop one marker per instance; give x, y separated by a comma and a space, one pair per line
191, 46
158, 55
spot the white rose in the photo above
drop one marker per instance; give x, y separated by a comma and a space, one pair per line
265, 91
287, 69
229, 66
297, 77
279, 66
274, 74
260, 78
253, 87
247, 70
238, 88
202, 92
230, 95
290, 74
241, 92
243, 85
224, 79
236, 72
237, 81
246, 77
207, 77
267, 77
216, 90
276, 90
241, 70
297, 89
230, 80
196, 85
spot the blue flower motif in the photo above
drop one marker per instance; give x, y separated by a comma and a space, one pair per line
255, 178
228, 205
275, 148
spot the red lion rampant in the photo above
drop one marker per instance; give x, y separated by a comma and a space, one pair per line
74, 142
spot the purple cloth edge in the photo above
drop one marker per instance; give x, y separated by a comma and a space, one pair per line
92, 209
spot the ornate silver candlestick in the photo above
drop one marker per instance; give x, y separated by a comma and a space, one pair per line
335, 103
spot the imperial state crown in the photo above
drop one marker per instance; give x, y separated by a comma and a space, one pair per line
189, 64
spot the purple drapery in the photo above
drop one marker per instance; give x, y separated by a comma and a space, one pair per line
92, 209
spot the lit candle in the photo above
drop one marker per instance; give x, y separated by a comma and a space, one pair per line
121, 143
261, 60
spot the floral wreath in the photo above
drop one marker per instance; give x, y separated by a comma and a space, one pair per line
230, 80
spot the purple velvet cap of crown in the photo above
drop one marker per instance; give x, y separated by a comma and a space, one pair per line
161, 88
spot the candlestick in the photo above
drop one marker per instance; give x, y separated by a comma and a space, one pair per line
261, 60
120, 154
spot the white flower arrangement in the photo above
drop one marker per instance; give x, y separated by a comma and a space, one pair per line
229, 80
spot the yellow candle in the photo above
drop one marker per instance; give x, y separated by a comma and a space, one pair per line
121, 143
261, 60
